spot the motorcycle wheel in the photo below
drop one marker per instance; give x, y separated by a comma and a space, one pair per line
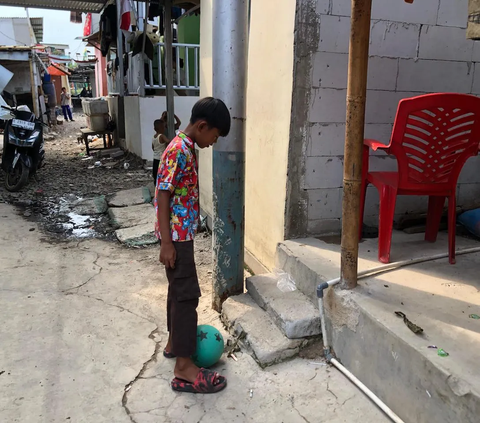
17, 178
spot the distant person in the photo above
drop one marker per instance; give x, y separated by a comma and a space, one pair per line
65, 99
84, 92
159, 144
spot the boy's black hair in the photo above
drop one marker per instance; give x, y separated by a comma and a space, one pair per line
214, 112
157, 122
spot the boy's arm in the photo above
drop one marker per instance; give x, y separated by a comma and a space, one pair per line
178, 122
168, 176
163, 139
167, 250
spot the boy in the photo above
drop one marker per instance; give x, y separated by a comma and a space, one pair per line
159, 144
65, 102
176, 204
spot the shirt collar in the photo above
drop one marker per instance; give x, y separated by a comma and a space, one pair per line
186, 140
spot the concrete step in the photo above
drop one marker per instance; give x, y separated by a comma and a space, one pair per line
137, 236
130, 197
126, 217
259, 334
292, 312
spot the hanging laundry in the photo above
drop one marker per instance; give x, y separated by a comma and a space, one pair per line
138, 43
87, 29
473, 26
108, 28
76, 17
126, 14
154, 9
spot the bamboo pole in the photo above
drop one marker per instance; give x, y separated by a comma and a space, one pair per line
354, 130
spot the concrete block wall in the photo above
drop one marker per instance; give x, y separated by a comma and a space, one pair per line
414, 49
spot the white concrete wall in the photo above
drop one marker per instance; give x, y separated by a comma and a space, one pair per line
141, 112
415, 48
15, 32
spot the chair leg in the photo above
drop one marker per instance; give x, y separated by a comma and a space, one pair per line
363, 194
388, 199
434, 216
365, 160
452, 226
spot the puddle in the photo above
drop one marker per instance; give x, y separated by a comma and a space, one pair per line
60, 218
80, 226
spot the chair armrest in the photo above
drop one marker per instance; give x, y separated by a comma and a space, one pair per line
376, 145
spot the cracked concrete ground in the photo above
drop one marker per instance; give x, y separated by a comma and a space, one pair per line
82, 335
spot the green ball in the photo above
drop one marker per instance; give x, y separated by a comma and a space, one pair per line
210, 346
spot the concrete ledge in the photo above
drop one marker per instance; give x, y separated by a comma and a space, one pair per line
293, 312
262, 339
377, 346
311, 261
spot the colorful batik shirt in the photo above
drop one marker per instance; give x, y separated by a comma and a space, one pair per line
178, 173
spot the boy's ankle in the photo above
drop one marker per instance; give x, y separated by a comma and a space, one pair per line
184, 363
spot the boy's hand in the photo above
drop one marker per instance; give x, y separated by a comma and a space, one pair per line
168, 255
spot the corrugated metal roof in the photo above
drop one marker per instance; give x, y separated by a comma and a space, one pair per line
94, 6
37, 26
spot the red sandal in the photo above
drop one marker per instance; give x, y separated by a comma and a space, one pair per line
207, 382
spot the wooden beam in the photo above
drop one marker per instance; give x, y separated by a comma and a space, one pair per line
354, 130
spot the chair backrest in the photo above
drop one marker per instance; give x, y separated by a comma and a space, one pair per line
433, 136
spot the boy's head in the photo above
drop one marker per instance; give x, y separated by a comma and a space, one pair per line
64, 90
210, 120
159, 126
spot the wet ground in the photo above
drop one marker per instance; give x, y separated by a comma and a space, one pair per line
70, 176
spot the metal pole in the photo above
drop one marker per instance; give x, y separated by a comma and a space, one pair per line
169, 69
142, 57
120, 75
354, 130
230, 41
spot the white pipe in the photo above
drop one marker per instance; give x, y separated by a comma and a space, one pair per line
388, 411
361, 275
398, 264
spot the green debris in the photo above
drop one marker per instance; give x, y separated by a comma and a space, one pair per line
442, 353
474, 316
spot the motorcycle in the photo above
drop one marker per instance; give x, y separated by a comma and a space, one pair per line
23, 147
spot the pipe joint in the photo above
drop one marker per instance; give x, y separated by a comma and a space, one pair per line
328, 355
321, 288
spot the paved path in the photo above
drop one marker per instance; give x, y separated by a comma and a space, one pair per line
81, 321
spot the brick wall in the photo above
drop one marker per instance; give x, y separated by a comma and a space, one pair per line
415, 48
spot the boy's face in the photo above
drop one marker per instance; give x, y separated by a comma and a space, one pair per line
205, 136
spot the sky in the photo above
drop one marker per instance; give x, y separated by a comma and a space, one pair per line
57, 28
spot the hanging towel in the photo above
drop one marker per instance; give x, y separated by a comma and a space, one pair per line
126, 13
76, 17
473, 26
87, 29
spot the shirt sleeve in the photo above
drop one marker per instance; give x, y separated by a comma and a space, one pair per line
171, 169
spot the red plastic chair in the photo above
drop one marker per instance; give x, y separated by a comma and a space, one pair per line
432, 138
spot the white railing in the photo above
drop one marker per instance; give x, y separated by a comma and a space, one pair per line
185, 77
